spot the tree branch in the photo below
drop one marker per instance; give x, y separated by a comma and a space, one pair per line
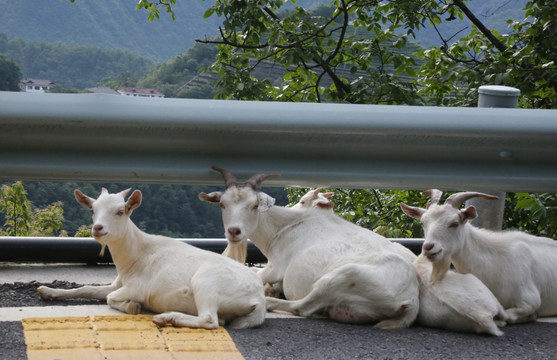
488, 34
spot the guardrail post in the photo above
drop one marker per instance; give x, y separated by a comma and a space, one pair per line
490, 213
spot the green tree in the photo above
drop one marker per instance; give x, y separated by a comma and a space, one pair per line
374, 209
352, 51
22, 220
523, 58
58, 89
48, 221
10, 74
17, 210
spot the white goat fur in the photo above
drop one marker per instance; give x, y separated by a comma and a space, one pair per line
520, 269
459, 302
315, 199
326, 263
185, 285
312, 199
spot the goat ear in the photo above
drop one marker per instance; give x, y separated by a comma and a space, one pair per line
213, 198
325, 204
328, 194
83, 199
412, 211
265, 201
469, 213
133, 202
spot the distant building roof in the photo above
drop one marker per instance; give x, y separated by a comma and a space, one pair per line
38, 82
131, 91
102, 90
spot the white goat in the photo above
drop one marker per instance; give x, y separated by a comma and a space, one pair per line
520, 269
459, 302
312, 199
326, 263
315, 199
186, 285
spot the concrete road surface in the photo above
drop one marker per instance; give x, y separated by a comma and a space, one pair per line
280, 337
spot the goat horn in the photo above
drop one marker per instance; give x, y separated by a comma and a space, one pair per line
455, 200
435, 197
257, 179
229, 178
125, 193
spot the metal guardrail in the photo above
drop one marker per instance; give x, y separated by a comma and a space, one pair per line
109, 138
86, 250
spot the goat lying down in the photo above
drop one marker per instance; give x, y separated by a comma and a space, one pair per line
315, 199
326, 264
519, 269
312, 199
459, 302
185, 285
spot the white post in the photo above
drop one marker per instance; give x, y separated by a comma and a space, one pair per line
490, 212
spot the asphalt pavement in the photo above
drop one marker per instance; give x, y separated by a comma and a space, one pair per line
279, 337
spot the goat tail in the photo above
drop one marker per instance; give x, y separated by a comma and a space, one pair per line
238, 252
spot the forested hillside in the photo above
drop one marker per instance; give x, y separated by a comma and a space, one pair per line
116, 24
107, 24
73, 66
172, 210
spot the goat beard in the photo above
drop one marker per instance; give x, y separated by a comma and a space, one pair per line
103, 246
237, 251
439, 270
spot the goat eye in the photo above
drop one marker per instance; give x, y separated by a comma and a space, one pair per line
255, 207
453, 225
221, 205
120, 212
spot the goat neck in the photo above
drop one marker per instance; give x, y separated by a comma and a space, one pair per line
273, 224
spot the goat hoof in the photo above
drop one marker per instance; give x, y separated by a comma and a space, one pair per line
162, 320
134, 308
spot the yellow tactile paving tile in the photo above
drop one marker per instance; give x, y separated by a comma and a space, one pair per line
122, 337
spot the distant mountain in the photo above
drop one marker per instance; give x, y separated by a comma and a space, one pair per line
116, 24
492, 13
73, 66
108, 24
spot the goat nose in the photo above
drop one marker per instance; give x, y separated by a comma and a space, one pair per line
428, 247
98, 227
234, 231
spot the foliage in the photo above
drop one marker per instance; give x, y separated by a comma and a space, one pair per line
84, 231
58, 89
153, 9
23, 220
123, 80
523, 58
16, 209
533, 213
373, 209
339, 53
10, 74
48, 221
171, 77
352, 51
